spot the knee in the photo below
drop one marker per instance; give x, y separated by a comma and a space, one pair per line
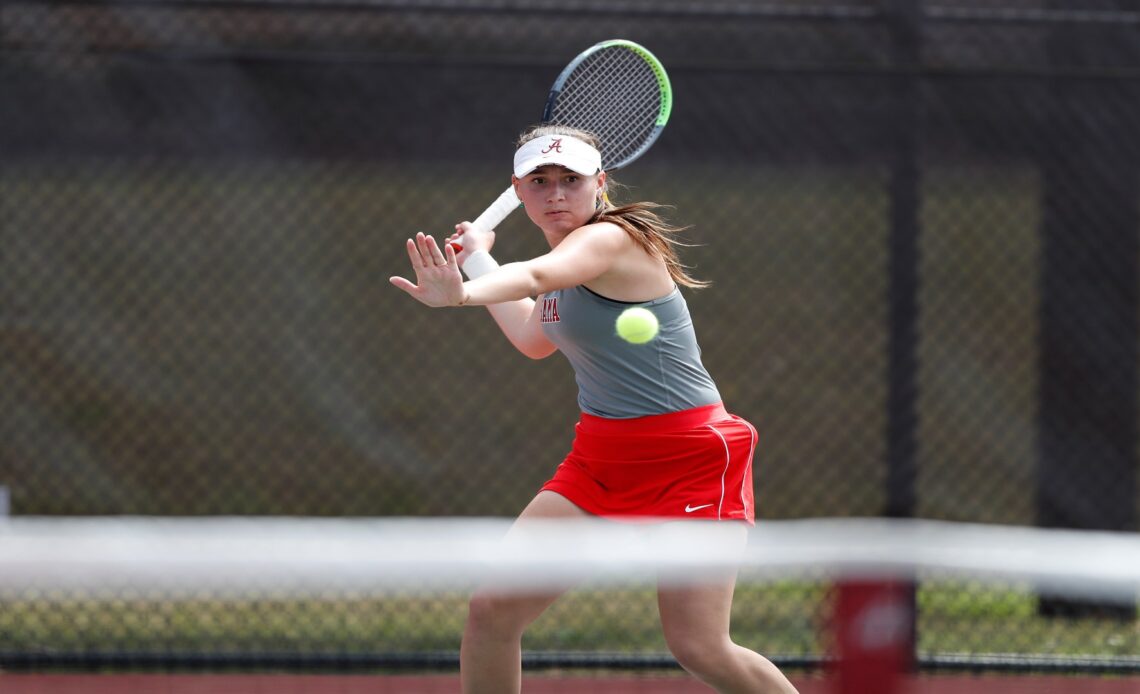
495, 615
703, 658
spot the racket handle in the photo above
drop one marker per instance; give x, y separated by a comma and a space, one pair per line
499, 210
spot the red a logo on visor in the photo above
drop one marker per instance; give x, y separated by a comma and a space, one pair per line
555, 146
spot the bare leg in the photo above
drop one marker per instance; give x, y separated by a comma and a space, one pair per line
490, 658
695, 619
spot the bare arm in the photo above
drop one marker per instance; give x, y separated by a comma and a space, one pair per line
583, 255
521, 322
507, 292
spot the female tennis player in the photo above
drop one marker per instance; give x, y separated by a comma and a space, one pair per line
653, 439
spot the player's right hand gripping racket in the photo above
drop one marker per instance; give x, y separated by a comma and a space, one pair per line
616, 90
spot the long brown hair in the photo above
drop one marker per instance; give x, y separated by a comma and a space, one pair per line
640, 220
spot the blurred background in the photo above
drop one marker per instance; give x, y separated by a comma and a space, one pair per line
920, 219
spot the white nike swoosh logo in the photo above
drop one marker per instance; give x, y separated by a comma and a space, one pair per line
690, 508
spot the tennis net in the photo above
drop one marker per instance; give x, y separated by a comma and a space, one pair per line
363, 595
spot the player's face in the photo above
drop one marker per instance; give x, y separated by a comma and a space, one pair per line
557, 199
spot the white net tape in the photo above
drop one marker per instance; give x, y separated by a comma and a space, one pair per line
313, 556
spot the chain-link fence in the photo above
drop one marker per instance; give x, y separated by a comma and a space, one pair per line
921, 222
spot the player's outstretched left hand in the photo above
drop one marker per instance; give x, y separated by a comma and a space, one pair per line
438, 281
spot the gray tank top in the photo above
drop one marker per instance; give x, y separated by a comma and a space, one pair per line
620, 380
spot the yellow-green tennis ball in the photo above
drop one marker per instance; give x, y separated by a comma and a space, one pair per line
637, 325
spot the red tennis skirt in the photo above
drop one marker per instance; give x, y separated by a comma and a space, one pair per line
691, 464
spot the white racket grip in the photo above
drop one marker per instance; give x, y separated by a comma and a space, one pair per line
498, 211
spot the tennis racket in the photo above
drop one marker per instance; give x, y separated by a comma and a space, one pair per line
615, 89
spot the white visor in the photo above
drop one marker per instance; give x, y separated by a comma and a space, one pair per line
561, 150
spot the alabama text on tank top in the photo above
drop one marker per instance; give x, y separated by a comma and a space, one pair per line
617, 379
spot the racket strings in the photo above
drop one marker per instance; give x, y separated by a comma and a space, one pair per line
623, 96
616, 95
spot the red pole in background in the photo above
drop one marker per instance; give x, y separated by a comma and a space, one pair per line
874, 636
